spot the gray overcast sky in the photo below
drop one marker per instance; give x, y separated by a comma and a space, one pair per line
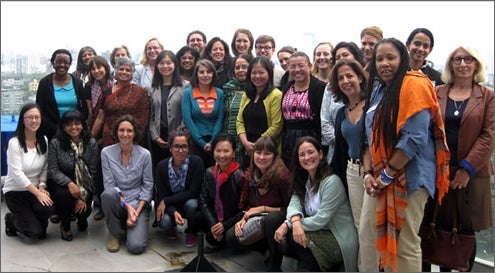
44, 26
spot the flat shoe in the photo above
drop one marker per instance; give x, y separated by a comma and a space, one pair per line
66, 235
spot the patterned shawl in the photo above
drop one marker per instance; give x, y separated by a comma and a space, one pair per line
416, 94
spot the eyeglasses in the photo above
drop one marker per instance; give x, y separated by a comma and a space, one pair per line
300, 66
467, 60
241, 67
152, 48
32, 117
263, 47
198, 40
177, 147
187, 58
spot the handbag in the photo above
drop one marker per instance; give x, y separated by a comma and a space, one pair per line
445, 248
253, 230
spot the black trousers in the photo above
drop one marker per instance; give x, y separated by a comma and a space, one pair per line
29, 215
66, 203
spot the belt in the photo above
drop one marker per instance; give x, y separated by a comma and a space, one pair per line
354, 161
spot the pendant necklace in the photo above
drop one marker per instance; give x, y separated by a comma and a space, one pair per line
353, 107
456, 112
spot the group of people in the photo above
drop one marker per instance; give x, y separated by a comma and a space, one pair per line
338, 156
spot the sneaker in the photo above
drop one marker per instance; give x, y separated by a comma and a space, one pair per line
10, 229
113, 244
191, 239
171, 233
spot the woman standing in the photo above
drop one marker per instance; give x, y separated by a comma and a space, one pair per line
242, 42
188, 56
25, 188
128, 181
468, 112
178, 181
319, 229
301, 104
265, 189
406, 156
123, 98
420, 44
217, 51
166, 94
58, 92
100, 79
220, 191
146, 68
71, 195
85, 55
260, 110
233, 91
322, 61
202, 109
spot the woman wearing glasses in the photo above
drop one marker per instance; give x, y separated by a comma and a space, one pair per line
187, 56
178, 182
146, 68
468, 112
25, 189
60, 91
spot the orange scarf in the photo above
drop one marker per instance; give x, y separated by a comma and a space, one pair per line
416, 94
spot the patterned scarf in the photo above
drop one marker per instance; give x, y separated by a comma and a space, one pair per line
392, 202
220, 178
178, 179
96, 91
83, 177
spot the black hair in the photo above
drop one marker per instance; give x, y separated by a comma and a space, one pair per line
157, 76
67, 118
222, 136
250, 88
41, 146
60, 51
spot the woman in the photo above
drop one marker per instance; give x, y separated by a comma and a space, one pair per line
188, 56
146, 68
202, 110
58, 92
322, 61
370, 36
420, 44
406, 154
265, 190
319, 229
25, 188
100, 79
178, 182
468, 112
71, 195
283, 56
85, 55
123, 98
242, 42
220, 191
260, 110
233, 91
128, 184
117, 53
166, 93
301, 104
217, 51
348, 81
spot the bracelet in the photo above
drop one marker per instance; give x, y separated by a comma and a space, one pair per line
385, 179
297, 220
42, 184
287, 224
123, 203
393, 168
368, 175
367, 172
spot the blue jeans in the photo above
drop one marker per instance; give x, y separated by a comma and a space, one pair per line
189, 210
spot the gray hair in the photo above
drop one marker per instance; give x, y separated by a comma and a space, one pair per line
125, 61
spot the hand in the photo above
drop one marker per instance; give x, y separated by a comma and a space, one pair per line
369, 185
239, 226
207, 147
132, 216
160, 210
281, 233
178, 219
161, 143
461, 179
217, 231
80, 206
249, 148
74, 190
44, 197
298, 234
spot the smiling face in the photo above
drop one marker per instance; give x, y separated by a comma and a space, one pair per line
419, 48
153, 48
223, 154
240, 69
166, 67
387, 62
299, 68
126, 133
309, 157
124, 74
217, 52
32, 120
205, 76
61, 64
242, 43
263, 159
368, 43
259, 76
323, 56
196, 41
87, 56
74, 128
348, 81
98, 72
179, 149
187, 61
467, 66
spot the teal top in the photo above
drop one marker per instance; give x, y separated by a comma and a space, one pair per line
66, 97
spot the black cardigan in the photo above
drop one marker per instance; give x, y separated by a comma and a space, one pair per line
45, 98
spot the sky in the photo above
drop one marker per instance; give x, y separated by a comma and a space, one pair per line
29, 27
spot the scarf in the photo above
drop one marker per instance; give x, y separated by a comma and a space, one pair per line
416, 94
220, 178
96, 92
178, 179
84, 180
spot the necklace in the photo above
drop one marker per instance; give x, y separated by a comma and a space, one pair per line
456, 111
350, 108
